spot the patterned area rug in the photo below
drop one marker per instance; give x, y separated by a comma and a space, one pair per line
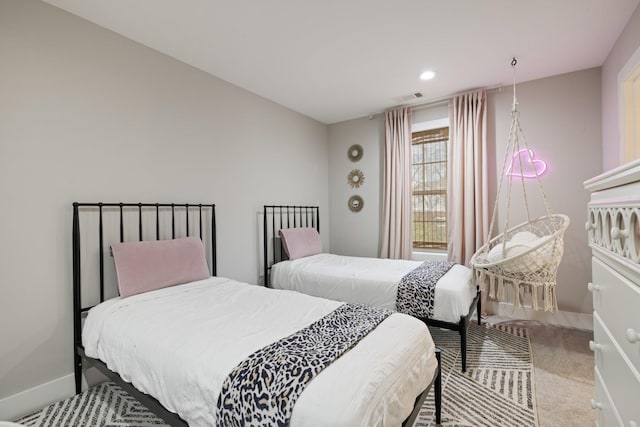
104, 405
498, 388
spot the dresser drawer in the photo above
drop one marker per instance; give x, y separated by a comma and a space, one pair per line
606, 415
617, 301
621, 380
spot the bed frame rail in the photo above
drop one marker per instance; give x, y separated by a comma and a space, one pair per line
436, 383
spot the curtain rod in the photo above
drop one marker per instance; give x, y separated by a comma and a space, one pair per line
430, 104
444, 100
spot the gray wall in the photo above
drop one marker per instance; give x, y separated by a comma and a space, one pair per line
560, 117
624, 48
357, 234
87, 115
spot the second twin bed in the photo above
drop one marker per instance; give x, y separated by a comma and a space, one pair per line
294, 260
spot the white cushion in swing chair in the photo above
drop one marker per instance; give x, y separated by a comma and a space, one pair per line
520, 243
525, 237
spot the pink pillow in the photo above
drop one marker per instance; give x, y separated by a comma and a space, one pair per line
156, 264
301, 242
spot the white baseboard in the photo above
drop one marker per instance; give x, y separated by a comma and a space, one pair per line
31, 400
36, 398
565, 319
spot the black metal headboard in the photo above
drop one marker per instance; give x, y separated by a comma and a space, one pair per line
97, 225
278, 217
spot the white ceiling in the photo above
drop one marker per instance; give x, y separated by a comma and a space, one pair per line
335, 60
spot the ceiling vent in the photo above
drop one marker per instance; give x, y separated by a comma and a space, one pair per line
416, 96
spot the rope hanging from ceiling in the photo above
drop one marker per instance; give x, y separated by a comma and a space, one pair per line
524, 257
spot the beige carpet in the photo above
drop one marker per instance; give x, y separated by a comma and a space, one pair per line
563, 367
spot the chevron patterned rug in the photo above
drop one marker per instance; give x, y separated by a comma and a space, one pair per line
496, 391
104, 405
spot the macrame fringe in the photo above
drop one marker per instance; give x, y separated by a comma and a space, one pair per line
521, 293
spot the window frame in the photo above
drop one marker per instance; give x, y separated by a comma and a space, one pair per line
431, 246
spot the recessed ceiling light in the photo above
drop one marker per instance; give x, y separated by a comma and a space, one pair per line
427, 75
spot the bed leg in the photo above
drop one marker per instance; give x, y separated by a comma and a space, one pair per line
438, 389
463, 346
479, 309
77, 360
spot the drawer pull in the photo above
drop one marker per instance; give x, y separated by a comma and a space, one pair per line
596, 405
633, 336
593, 287
593, 346
590, 226
616, 233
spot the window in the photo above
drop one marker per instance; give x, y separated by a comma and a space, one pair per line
429, 188
631, 115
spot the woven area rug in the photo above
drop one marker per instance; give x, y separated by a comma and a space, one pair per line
104, 405
498, 388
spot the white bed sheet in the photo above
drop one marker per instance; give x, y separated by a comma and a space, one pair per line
372, 281
178, 344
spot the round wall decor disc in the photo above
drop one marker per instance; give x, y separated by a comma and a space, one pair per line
355, 152
355, 203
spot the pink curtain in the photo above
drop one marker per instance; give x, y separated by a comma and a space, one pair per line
397, 240
467, 183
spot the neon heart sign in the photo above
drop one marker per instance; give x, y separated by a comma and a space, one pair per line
531, 167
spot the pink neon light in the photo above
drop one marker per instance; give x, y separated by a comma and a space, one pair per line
531, 167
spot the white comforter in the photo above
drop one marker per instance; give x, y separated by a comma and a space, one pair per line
178, 344
372, 281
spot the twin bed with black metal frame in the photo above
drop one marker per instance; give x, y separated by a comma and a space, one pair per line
120, 224
357, 279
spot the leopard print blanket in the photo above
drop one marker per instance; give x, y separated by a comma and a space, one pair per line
416, 290
262, 390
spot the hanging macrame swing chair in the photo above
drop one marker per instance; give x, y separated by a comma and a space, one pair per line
524, 257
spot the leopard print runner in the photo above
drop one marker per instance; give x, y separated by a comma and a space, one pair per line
416, 291
263, 388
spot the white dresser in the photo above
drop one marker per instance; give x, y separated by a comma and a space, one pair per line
613, 226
